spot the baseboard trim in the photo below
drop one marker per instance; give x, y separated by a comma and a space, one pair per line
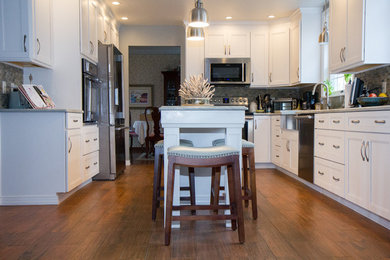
265, 166
128, 162
29, 200
362, 211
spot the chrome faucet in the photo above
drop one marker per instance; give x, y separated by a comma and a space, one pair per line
327, 92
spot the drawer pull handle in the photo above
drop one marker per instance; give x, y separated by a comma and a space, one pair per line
361, 151
87, 141
336, 121
355, 121
277, 120
277, 135
322, 144
380, 121
87, 167
320, 173
95, 163
75, 120
95, 139
336, 146
321, 121
277, 156
336, 179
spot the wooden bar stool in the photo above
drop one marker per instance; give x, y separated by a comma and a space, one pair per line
157, 188
206, 157
248, 154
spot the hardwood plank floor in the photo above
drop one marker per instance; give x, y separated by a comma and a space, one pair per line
112, 220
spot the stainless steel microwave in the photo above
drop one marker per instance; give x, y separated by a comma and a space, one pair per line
228, 71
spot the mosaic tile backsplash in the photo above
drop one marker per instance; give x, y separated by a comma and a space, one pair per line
10, 74
374, 78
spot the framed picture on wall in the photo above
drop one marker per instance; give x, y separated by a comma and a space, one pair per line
140, 96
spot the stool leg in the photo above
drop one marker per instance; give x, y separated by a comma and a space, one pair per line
191, 175
160, 161
232, 196
217, 183
238, 199
156, 186
253, 183
212, 192
169, 201
245, 178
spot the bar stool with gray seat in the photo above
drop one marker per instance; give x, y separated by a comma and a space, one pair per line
157, 188
217, 156
249, 193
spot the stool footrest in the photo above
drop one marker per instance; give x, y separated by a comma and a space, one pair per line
200, 207
203, 217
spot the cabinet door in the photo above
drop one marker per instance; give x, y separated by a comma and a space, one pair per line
93, 42
239, 44
215, 44
14, 34
337, 32
294, 153
355, 28
285, 153
294, 52
259, 58
102, 35
279, 55
84, 34
262, 133
75, 174
42, 41
378, 150
194, 62
357, 169
107, 32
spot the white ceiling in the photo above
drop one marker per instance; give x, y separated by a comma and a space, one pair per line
174, 12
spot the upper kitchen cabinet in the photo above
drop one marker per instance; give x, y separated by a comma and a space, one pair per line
358, 35
279, 51
305, 26
259, 57
26, 32
227, 42
194, 58
88, 29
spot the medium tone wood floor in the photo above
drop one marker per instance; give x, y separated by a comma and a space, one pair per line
112, 220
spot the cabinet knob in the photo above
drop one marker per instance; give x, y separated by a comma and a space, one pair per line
320, 173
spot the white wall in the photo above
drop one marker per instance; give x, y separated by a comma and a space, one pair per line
147, 36
63, 82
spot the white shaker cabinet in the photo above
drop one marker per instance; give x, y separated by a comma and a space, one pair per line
26, 32
227, 42
305, 52
88, 29
259, 57
279, 51
289, 150
358, 35
367, 171
261, 139
74, 176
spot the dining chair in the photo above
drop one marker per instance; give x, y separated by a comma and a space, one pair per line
154, 136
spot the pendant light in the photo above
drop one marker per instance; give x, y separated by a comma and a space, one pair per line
324, 36
195, 34
199, 15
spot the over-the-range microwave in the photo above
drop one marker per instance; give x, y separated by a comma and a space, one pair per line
230, 71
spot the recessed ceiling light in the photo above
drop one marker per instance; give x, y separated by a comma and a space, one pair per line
228, 17
124, 18
271, 16
116, 3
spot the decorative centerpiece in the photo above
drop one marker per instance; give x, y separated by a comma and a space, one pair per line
196, 91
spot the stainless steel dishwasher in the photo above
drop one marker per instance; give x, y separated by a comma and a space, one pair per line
305, 126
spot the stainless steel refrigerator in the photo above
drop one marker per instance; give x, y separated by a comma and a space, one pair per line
111, 119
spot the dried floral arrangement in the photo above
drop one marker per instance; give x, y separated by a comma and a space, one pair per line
196, 87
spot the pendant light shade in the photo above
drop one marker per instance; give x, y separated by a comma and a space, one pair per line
324, 36
195, 34
199, 16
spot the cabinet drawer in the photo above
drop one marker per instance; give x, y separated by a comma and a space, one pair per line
321, 121
276, 138
375, 121
329, 175
74, 120
90, 139
329, 145
90, 165
275, 120
336, 121
276, 155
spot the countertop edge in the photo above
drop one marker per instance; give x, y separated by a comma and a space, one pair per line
42, 110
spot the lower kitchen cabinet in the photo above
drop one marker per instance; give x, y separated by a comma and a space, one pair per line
289, 150
90, 151
75, 175
329, 175
367, 157
261, 137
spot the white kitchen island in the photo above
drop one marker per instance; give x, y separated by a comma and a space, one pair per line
201, 125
